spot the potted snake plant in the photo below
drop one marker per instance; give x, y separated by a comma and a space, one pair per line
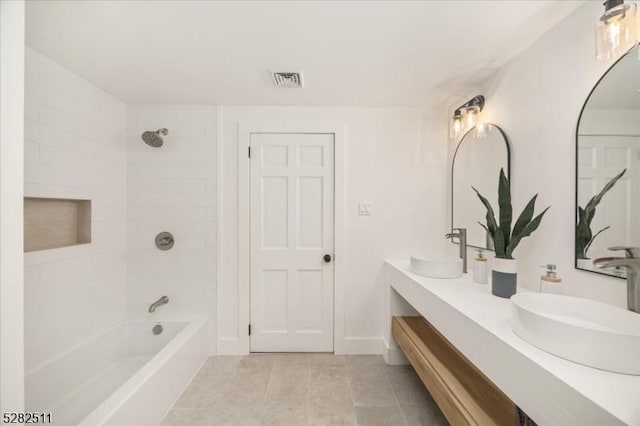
504, 276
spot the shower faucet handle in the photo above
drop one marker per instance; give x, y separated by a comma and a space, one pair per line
164, 240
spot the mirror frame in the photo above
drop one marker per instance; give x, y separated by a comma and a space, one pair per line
575, 208
453, 163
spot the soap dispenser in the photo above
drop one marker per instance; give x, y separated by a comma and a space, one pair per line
480, 268
550, 282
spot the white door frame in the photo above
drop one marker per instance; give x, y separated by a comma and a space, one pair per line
245, 129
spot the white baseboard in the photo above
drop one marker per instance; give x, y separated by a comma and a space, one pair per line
362, 346
231, 346
350, 346
394, 355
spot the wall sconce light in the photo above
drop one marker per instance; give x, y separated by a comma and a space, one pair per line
465, 117
616, 29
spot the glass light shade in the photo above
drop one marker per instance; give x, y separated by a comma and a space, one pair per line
456, 127
471, 117
482, 130
616, 31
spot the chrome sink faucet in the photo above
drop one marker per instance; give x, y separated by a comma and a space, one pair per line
461, 235
162, 301
632, 263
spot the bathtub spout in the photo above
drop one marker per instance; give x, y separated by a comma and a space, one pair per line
162, 301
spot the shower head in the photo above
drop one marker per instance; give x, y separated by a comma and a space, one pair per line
154, 139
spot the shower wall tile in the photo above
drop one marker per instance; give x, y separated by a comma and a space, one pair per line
172, 188
31, 151
75, 147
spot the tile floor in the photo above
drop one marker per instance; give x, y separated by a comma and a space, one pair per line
304, 389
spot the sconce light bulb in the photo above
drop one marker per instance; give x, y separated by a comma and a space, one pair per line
613, 33
456, 126
616, 30
471, 118
482, 130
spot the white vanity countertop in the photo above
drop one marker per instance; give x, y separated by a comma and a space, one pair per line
550, 389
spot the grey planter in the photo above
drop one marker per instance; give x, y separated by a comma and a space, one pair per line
504, 277
503, 284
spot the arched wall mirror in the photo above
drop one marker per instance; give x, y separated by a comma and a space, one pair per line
477, 161
608, 166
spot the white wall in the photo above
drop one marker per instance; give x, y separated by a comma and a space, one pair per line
74, 147
395, 159
172, 188
11, 175
536, 98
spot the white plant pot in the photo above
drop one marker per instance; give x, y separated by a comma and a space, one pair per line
504, 277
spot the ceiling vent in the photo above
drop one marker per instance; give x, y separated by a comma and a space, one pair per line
288, 79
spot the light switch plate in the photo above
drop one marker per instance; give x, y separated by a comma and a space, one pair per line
365, 209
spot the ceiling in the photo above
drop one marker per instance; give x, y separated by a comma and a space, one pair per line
356, 53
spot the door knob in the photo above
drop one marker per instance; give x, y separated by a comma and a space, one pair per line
327, 258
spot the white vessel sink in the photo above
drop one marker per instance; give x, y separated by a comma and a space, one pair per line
580, 330
437, 267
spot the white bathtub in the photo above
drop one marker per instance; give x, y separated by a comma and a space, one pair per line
125, 376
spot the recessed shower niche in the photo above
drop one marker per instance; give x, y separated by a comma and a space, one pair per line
55, 222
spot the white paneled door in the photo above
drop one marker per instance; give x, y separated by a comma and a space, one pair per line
292, 230
600, 159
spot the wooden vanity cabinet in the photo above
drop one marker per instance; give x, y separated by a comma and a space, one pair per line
463, 393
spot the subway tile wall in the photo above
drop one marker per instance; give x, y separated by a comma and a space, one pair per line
172, 188
81, 142
75, 147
